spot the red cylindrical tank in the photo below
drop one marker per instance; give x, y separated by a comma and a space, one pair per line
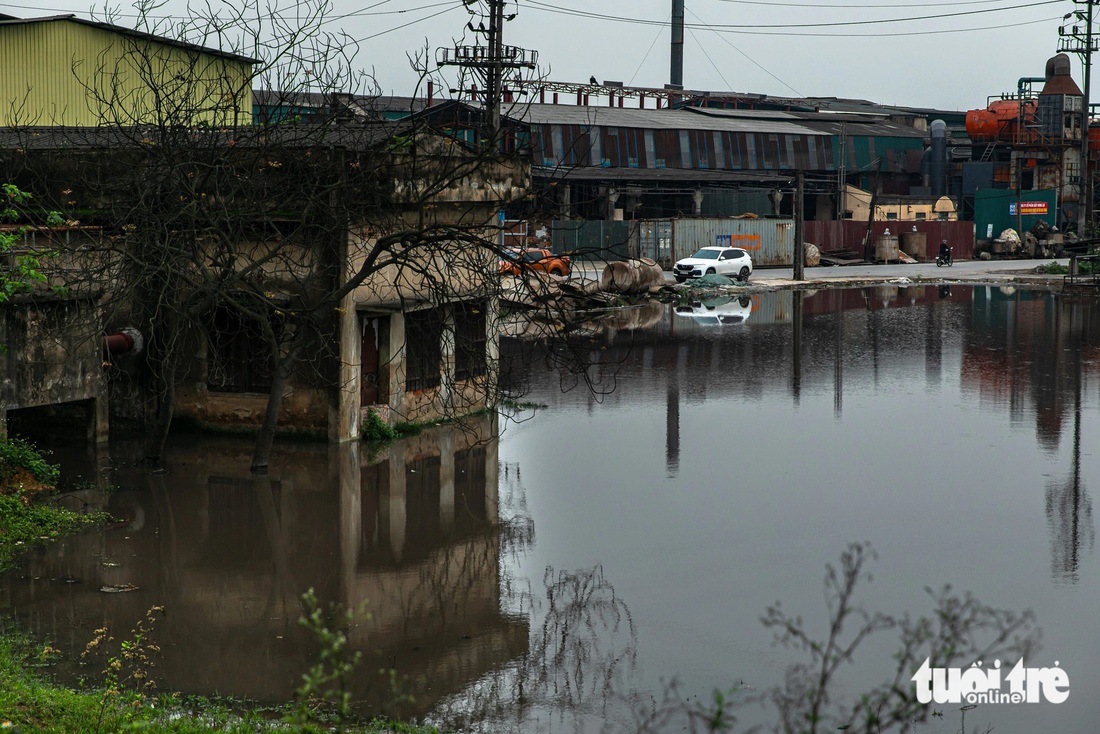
1094, 136
998, 121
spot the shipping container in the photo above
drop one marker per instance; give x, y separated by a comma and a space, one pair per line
769, 241
592, 240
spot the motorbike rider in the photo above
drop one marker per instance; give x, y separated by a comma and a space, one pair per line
945, 252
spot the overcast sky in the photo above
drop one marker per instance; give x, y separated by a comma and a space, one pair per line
954, 55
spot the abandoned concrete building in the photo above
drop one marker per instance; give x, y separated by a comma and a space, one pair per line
413, 339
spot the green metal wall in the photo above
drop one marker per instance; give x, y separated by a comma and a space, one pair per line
862, 152
44, 64
994, 210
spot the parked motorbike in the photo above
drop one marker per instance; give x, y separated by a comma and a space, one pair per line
945, 258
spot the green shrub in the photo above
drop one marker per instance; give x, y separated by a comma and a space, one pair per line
16, 454
376, 430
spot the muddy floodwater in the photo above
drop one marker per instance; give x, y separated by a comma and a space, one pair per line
591, 564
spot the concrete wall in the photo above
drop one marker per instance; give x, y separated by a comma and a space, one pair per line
53, 354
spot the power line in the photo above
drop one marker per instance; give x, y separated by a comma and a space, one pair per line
406, 25
860, 6
732, 26
749, 58
738, 30
910, 19
660, 32
704, 50
899, 34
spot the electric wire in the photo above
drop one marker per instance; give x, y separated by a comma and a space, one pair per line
716, 69
860, 6
751, 60
899, 34
410, 23
660, 32
741, 28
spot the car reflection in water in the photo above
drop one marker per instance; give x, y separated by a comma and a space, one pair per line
725, 311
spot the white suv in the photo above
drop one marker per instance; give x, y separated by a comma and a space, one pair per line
729, 261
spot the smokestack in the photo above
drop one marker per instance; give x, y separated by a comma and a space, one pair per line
676, 74
938, 167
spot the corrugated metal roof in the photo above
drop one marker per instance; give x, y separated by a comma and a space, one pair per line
354, 136
657, 175
822, 123
11, 21
675, 119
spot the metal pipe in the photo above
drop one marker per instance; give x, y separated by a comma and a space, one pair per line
938, 168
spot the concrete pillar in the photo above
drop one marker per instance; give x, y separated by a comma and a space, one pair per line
394, 365
99, 420
612, 200
566, 200
697, 201
447, 359
344, 419
492, 350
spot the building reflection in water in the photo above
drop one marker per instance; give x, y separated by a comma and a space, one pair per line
1017, 351
412, 534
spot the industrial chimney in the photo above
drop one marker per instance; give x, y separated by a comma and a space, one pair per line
676, 73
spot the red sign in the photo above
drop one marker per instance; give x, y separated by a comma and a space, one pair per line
1033, 207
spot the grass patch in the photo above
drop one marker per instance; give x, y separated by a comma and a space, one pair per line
1053, 268
27, 518
30, 702
376, 430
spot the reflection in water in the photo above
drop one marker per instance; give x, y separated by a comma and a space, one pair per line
672, 428
1069, 508
414, 533
580, 663
851, 387
1019, 349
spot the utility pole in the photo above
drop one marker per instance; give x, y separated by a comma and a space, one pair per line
799, 226
1075, 39
488, 63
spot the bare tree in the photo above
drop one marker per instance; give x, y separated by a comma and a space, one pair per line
192, 208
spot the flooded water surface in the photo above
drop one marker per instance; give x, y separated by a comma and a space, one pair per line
596, 562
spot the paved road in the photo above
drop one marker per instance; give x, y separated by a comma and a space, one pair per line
962, 270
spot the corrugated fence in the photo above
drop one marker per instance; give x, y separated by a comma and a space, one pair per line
769, 241
848, 235
594, 240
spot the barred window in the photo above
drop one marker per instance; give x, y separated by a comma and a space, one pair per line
470, 339
240, 358
423, 350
